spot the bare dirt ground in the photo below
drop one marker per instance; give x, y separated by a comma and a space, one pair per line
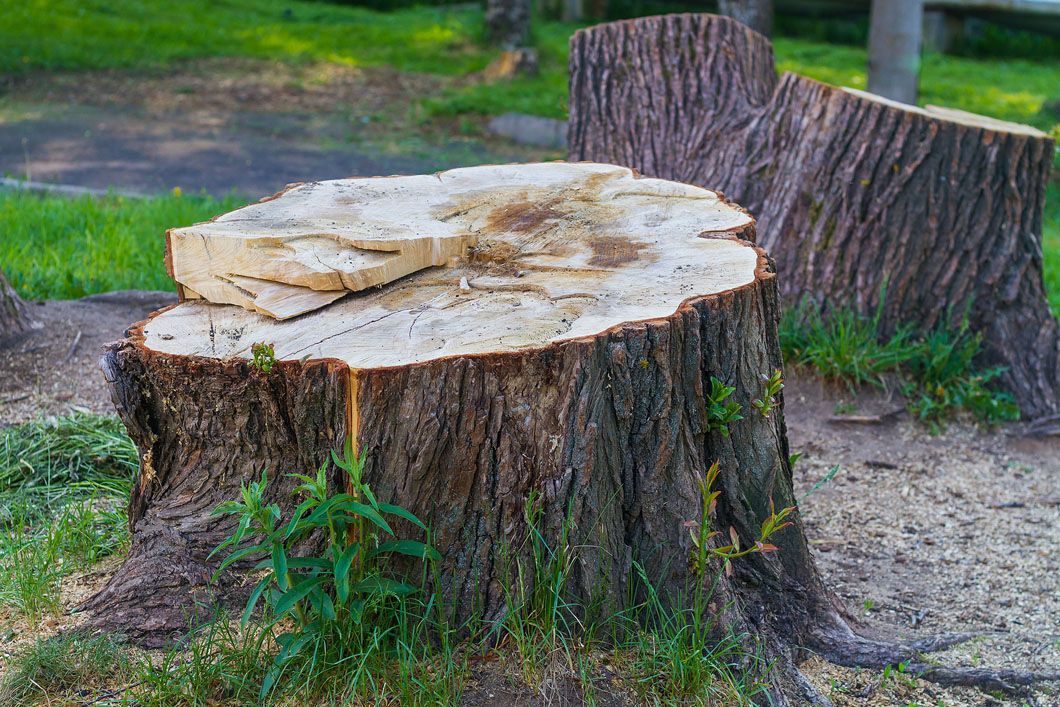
53, 370
227, 124
927, 533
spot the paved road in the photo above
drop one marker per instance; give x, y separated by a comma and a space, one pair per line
253, 154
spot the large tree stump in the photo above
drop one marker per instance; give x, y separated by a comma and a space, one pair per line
565, 355
856, 196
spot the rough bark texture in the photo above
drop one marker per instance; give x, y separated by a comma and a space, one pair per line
508, 23
203, 427
756, 14
895, 29
852, 193
14, 319
611, 429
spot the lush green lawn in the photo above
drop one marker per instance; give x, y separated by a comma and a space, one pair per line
95, 34
55, 247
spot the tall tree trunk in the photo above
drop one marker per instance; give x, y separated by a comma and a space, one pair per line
895, 29
14, 319
508, 23
855, 196
756, 14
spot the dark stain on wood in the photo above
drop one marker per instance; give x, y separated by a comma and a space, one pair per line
523, 216
610, 251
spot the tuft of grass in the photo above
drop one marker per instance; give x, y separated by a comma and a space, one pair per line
943, 378
57, 247
65, 668
63, 486
935, 371
842, 344
46, 463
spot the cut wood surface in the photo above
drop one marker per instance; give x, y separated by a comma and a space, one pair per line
553, 252
927, 215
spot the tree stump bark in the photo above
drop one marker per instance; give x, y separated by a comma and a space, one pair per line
14, 319
857, 197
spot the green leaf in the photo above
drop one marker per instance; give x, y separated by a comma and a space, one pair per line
296, 594
402, 513
319, 517
366, 512
321, 601
382, 585
412, 548
253, 600
240, 554
300, 563
279, 564
236, 537
342, 572
297, 517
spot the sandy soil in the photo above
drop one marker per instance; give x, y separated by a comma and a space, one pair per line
927, 533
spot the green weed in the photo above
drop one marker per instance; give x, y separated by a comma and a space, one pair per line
936, 371
722, 412
768, 402
685, 654
264, 357
341, 598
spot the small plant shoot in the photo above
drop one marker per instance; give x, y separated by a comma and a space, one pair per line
768, 401
264, 357
722, 412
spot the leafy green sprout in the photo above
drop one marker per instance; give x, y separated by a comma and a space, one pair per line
702, 534
722, 412
325, 595
264, 357
768, 402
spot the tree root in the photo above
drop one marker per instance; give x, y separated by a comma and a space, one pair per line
1009, 681
839, 644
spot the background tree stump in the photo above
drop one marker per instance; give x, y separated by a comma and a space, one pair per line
853, 193
14, 319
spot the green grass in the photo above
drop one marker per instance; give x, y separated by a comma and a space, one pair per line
56, 247
94, 34
934, 370
1051, 242
60, 670
63, 486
